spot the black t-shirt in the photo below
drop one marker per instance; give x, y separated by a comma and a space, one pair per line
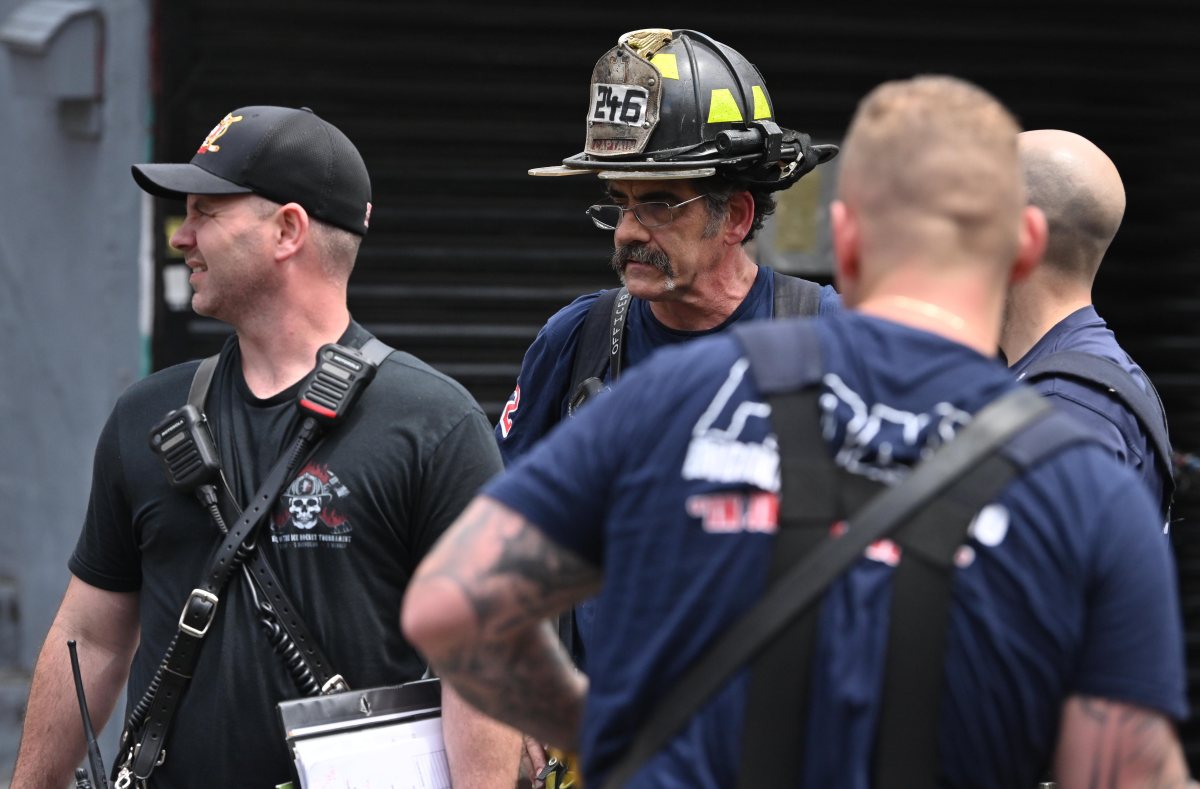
345, 537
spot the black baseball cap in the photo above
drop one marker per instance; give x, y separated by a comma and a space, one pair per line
282, 154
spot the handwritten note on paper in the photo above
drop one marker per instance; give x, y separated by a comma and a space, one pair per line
406, 755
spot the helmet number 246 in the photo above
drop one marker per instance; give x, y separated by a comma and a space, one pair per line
624, 104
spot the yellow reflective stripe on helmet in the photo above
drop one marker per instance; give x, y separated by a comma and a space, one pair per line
666, 65
723, 108
761, 108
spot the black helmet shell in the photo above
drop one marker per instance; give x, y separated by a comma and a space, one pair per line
678, 104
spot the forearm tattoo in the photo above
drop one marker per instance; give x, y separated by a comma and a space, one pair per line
1129, 746
514, 578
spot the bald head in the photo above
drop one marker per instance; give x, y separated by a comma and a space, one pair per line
1079, 190
930, 168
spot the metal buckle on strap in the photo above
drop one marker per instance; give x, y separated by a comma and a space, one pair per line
198, 597
335, 684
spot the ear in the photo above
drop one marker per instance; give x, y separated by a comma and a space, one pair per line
845, 232
291, 230
1031, 243
740, 218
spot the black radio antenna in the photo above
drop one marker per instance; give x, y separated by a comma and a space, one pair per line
99, 778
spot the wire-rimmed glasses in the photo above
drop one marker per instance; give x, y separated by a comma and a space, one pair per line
653, 214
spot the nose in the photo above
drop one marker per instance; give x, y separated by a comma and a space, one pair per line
630, 230
183, 237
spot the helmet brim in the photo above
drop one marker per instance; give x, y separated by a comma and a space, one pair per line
605, 171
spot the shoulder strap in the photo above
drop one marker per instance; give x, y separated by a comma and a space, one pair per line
598, 346
782, 359
803, 583
1146, 405
375, 351
795, 297
785, 363
201, 381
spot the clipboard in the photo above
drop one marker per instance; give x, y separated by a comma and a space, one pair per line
387, 736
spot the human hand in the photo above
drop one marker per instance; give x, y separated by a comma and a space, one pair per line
533, 759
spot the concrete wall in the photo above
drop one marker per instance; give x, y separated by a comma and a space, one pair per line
70, 226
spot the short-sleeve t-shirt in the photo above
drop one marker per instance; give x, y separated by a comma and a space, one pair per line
344, 537
669, 483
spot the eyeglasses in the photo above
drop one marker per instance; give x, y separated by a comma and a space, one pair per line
655, 214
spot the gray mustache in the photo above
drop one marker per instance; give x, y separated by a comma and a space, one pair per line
640, 253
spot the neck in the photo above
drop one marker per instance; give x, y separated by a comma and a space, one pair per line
710, 297
277, 353
1034, 308
959, 309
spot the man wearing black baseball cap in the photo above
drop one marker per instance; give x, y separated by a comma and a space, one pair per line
278, 201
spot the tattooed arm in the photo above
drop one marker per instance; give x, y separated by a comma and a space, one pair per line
1105, 744
478, 607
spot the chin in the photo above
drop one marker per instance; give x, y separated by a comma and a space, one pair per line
646, 285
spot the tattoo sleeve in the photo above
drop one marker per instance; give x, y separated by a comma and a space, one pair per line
506, 659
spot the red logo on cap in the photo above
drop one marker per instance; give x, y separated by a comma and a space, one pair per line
367, 218
217, 133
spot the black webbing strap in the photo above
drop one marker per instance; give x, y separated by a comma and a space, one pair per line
1146, 406
795, 297
786, 367
803, 584
906, 748
779, 674
598, 346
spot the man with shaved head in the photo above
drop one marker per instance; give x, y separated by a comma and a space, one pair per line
1052, 335
680, 498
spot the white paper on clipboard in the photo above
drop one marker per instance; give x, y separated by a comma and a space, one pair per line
380, 738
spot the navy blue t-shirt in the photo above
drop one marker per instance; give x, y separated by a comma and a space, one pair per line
670, 484
1104, 414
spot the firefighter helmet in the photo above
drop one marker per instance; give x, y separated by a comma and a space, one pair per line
677, 104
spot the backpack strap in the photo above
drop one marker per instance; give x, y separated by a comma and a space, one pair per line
1145, 405
598, 346
795, 297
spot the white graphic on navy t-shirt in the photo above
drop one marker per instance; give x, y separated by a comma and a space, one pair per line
733, 443
719, 454
878, 441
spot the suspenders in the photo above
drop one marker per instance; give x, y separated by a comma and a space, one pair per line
927, 514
